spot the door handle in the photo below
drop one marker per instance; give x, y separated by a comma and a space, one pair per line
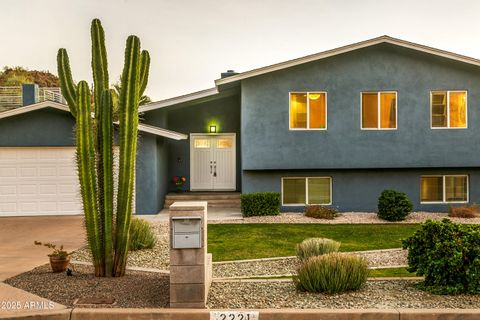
210, 167
215, 168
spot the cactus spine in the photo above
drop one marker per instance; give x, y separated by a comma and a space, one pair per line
107, 235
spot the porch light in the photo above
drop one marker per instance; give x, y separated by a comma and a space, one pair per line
213, 129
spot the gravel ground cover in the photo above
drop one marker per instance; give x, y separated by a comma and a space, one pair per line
287, 266
375, 294
134, 290
346, 218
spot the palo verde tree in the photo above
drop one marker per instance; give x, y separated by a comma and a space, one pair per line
107, 232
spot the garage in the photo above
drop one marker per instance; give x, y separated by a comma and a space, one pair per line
38, 181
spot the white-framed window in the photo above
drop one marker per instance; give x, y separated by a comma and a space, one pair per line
448, 109
378, 110
299, 191
308, 110
444, 189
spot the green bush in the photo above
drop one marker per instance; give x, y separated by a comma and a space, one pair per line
447, 254
394, 205
332, 273
320, 212
142, 235
260, 204
312, 247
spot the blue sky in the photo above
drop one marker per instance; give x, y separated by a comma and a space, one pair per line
192, 42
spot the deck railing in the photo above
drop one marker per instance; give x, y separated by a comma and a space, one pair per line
11, 97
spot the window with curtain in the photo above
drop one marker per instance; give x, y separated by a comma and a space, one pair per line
308, 110
448, 109
448, 188
379, 110
311, 190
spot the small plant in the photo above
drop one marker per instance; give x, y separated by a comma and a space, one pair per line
179, 182
468, 212
313, 247
394, 205
260, 204
58, 253
448, 255
320, 212
142, 235
332, 273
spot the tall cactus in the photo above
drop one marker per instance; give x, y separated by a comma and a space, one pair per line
107, 236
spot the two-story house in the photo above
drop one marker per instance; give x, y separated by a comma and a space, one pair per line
334, 128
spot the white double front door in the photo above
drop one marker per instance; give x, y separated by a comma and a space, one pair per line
212, 162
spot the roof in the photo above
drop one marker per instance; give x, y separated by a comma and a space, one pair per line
50, 104
306, 59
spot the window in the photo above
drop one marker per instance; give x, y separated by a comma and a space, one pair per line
448, 109
308, 110
442, 189
301, 191
379, 110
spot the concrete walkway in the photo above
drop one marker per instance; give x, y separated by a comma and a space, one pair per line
213, 214
18, 254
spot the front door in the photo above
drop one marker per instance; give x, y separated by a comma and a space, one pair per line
212, 162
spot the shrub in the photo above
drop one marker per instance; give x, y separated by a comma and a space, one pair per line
394, 205
448, 255
142, 235
312, 247
260, 204
321, 212
332, 273
464, 212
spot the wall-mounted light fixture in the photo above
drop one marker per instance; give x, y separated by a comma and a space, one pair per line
213, 129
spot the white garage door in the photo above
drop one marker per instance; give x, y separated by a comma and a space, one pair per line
38, 181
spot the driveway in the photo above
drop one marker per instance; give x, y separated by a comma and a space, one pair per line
17, 234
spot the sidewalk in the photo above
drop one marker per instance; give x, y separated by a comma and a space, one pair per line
213, 214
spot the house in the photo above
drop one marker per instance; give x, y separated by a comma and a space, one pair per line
334, 128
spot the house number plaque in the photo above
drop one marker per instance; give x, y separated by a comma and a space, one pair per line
233, 315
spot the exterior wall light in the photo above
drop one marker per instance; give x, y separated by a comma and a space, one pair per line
213, 129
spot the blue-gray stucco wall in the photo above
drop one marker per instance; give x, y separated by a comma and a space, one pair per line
267, 142
223, 111
358, 190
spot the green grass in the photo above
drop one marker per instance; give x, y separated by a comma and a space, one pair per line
252, 241
390, 272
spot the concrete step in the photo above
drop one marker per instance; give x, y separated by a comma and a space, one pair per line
214, 199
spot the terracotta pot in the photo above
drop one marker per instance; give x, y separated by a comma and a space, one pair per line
59, 264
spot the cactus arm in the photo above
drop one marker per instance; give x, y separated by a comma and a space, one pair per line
144, 69
128, 104
106, 126
86, 172
69, 90
99, 61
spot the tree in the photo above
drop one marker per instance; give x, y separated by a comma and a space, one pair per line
107, 235
16, 76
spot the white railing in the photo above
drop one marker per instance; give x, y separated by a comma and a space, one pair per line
11, 97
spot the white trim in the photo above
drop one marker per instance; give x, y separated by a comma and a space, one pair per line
34, 107
177, 100
308, 111
162, 132
378, 110
448, 109
444, 189
348, 48
306, 191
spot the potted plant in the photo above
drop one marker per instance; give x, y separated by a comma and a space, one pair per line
179, 183
59, 258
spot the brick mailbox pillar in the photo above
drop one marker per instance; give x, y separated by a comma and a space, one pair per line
190, 265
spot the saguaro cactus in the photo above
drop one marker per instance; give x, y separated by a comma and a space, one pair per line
107, 235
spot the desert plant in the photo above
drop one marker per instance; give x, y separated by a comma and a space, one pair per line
320, 212
260, 204
469, 212
107, 236
142, 235
332, 273
448, 255
394, 205
313, 247
60, 253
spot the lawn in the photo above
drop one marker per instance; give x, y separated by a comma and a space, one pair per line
390, 272
252, 241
